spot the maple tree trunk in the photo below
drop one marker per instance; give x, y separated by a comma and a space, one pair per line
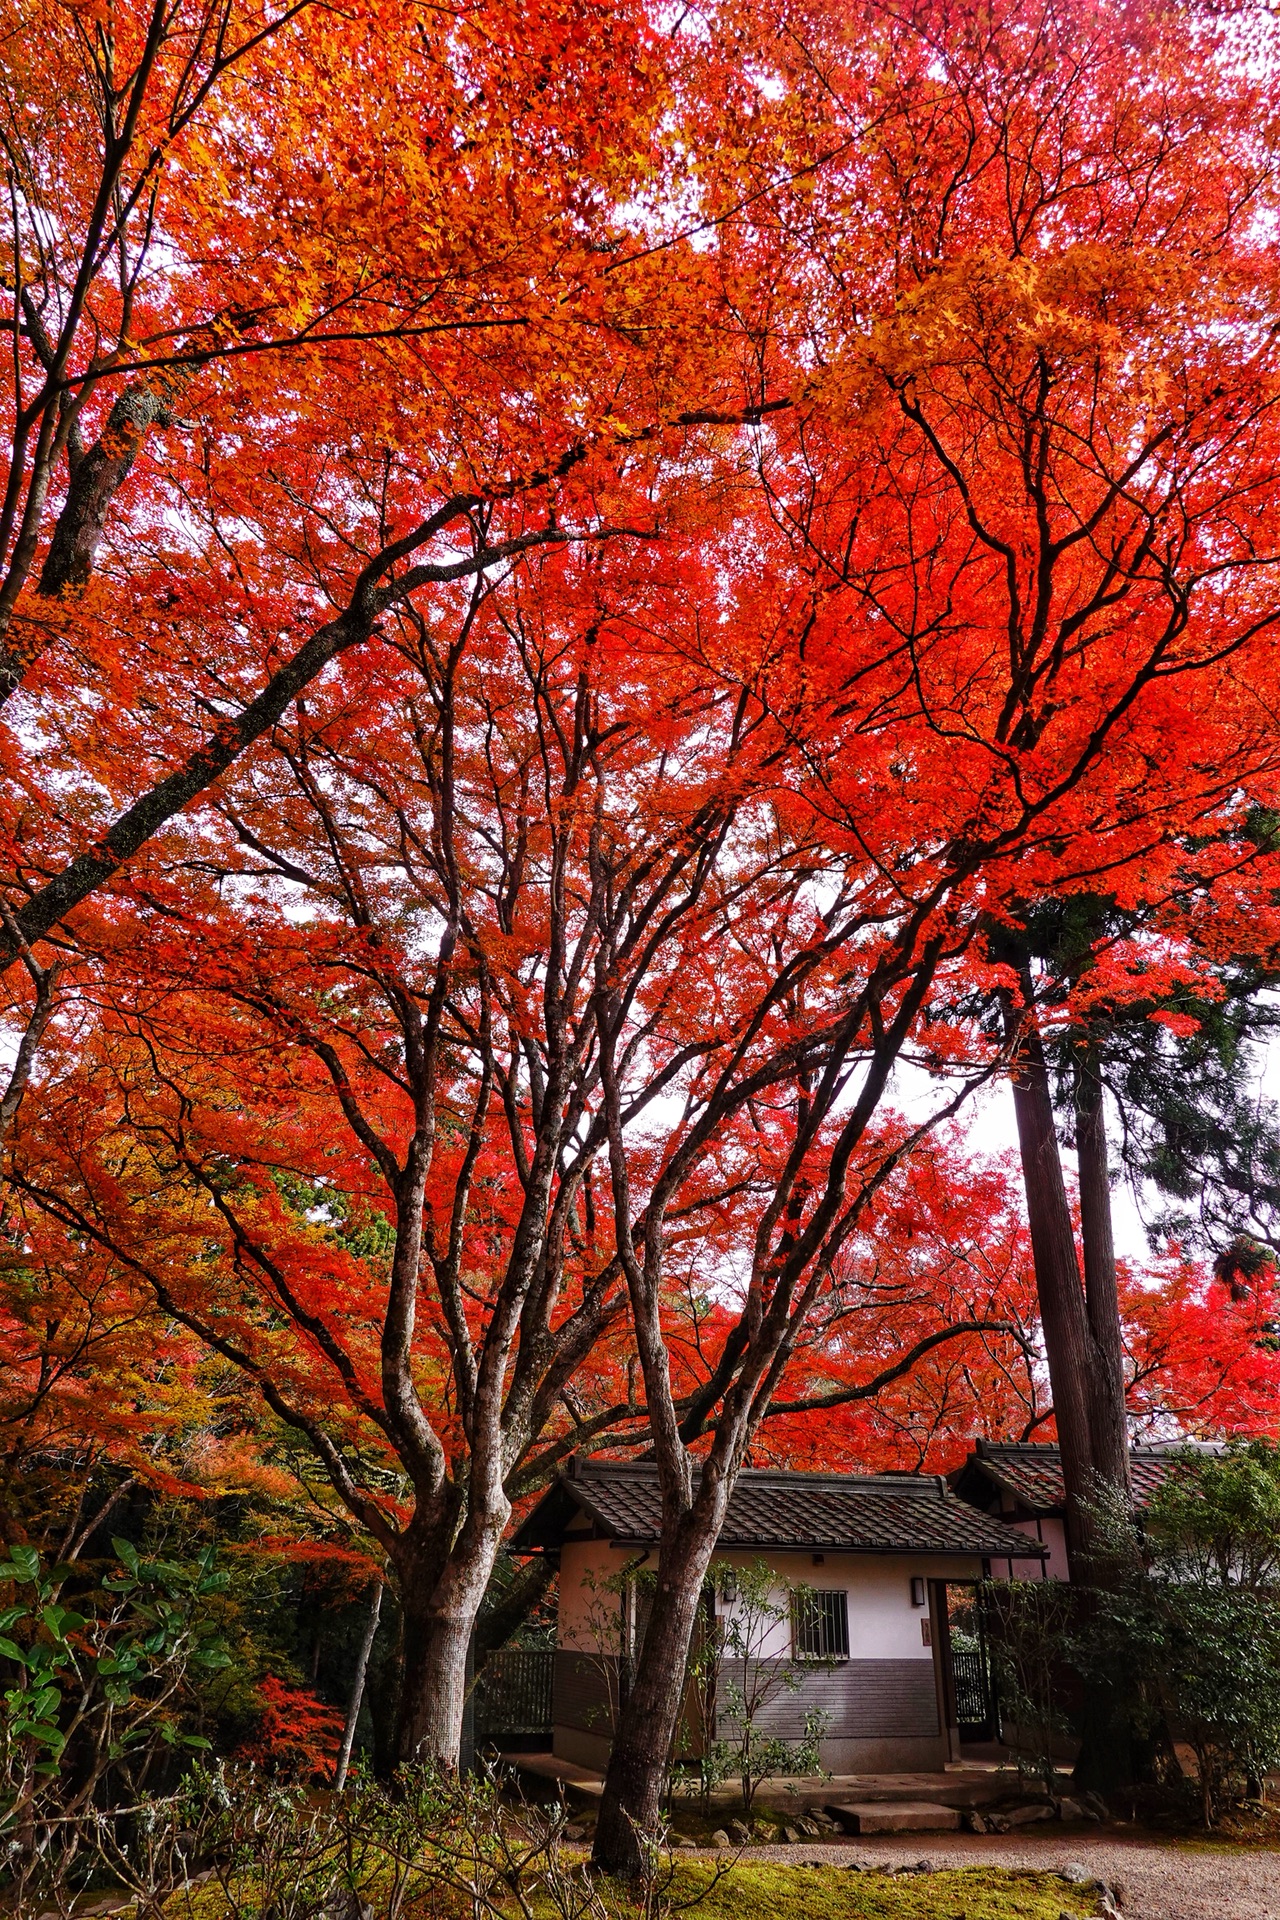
517, 1603
439, 1618
96, 477
648, 1717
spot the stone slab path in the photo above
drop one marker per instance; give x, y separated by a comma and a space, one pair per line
1157, 1881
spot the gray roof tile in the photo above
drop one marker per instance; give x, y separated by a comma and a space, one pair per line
850, 1513
1031, 1470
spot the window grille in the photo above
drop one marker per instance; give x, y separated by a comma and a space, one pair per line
820, 1625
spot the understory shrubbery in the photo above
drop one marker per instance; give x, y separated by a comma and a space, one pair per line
739, 1675
265, 1849
1191, 1645
95, 1712
1028, 1634
1180, 1648
105, 1783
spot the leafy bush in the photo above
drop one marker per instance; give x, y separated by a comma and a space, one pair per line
1029, 1634
750, 1676
92, 1701
1203, 1659
1192, 1645
1216, 1519
1181, 1644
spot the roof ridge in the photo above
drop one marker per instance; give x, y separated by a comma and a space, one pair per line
991, 1449
902, 1480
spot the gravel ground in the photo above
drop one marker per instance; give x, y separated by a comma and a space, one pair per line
1157, 1881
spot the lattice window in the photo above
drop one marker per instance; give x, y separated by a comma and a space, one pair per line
820, 1625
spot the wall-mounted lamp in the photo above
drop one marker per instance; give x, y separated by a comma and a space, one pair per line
728, 1586
918, 1595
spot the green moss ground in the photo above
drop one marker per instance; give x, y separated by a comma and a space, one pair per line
832, 1893
760, 1892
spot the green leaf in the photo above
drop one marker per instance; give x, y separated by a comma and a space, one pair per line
56, 1618
11, 1650
126, 1553
26, 1562
10, 1616
215, 1658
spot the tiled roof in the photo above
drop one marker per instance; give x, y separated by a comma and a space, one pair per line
1031, 1471
849, 1513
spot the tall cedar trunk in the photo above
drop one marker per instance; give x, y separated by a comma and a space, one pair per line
1069, 1344
650, 1714
1102, 1299
1086, 1365
1110, 1757
439, 1617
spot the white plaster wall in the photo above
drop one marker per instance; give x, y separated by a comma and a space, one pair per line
883, 1624
582, 1612
1052, 1534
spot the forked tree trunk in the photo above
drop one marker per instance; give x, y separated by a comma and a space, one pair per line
1085, 1353
638, 1758
439, 1618
1070, 1348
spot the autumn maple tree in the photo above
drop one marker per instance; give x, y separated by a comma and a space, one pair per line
311, 314
1023, 559
947, 1240
575, 582
317, 285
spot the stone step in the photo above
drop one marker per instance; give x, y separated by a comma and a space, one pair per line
893, 1816
956, 1788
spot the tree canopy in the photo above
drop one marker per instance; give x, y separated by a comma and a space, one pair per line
578, 589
